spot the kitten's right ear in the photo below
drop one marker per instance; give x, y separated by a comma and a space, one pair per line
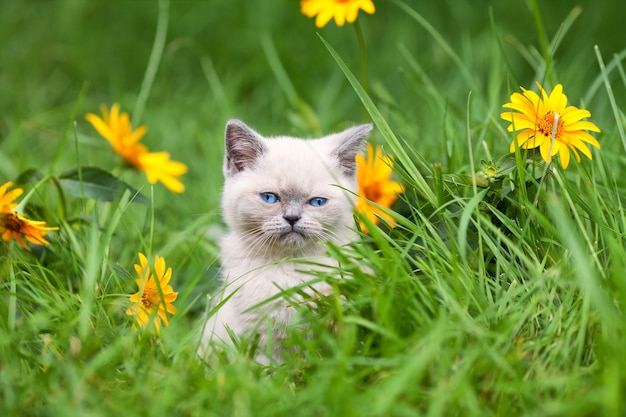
351, 140
242, 147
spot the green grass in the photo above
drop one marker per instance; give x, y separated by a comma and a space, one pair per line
482, 301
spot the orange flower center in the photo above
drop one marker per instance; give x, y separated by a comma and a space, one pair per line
372, 192
13, 223
546, 125
147, 298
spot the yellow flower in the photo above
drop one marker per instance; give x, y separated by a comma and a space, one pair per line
6, 199
548, 123
155, 296
374, 180
117, 129
16, 226
341, 10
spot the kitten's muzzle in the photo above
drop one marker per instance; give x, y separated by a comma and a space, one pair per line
292, 219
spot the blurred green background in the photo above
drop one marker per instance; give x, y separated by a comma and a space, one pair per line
61, 59
214, 66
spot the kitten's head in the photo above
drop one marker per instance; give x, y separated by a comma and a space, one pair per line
284, 195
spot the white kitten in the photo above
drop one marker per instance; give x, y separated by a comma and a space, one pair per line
283, 198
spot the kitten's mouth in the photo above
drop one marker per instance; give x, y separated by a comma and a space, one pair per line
293, 238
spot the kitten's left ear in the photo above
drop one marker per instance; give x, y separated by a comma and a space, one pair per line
243, 146
351, 142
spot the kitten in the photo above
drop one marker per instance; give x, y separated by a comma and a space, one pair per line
283, 197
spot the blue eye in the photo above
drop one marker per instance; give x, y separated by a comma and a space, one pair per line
269, 198
318, 201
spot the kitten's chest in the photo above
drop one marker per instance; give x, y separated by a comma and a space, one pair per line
276, 277
259, 284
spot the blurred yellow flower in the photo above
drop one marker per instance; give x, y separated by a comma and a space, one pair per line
548, 123
16, 226
340, 10
7, 203
375, 185
155, 296
117, 129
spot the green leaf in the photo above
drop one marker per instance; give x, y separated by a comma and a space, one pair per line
29, 177
95, 183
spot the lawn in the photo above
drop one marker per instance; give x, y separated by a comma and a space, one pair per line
498, 288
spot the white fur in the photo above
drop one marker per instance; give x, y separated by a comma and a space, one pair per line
259, 252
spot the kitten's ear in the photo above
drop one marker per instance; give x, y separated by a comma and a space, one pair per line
351, 142
242, 147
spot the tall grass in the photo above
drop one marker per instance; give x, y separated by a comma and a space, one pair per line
497, 299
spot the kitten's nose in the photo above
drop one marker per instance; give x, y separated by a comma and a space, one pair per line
291, 218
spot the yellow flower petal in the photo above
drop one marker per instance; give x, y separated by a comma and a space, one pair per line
101, 126
159, 167
574, 151
586, 137
170, 308
557, 100
564, 156
572, 115
340, 10
583, 125
7, 199
159, 266
545, 152
576, 143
